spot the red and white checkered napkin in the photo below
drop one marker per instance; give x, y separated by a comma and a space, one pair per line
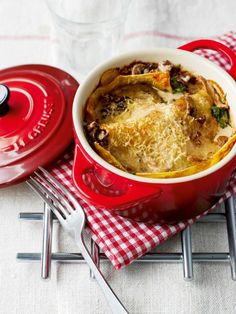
120, 239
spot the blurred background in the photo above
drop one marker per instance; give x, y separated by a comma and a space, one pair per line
150, 23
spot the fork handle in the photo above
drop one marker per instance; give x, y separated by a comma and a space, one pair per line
115, 304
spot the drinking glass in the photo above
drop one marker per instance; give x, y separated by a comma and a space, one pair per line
87, 32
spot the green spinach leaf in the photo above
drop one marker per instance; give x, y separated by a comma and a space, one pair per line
221, 115
177, 86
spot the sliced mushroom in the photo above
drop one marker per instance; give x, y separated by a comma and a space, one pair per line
215, 92
138, 68
221, 140
165, 66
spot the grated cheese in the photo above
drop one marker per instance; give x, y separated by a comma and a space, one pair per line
153, 141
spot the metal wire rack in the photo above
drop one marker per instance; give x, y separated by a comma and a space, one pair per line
186, 257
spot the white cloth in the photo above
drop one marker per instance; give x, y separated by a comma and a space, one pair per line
25, 29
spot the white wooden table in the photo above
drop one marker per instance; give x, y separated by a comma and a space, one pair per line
25, 29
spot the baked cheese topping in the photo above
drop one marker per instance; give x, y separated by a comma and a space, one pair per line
150, 119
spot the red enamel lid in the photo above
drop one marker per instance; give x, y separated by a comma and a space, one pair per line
35, 118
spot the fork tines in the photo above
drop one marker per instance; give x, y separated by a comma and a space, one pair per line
53, 193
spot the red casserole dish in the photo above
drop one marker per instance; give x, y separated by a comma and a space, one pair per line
146, 199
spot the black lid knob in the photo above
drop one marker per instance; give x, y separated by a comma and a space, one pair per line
4, 96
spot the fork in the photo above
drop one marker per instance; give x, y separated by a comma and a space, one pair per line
72, 218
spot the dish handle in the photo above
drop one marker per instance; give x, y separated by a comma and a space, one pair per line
134, 193
217, 46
